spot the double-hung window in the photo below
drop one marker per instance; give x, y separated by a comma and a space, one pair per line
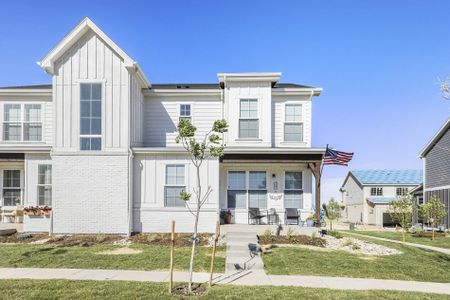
243, 185
12, 192
257, 189
90, 116
248, 119
175, 184
22, 122
293, 126
293, 192
237, 192
401, 191
185, 112
376, 191
44, 185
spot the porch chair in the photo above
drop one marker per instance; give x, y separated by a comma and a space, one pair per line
255, 216
291, 214
272, 217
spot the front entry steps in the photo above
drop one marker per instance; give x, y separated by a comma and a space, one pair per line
243, 253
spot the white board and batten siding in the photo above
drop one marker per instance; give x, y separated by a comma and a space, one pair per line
90, 60
150, 213
162, 116
137, 114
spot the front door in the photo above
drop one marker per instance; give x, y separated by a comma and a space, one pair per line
12, 188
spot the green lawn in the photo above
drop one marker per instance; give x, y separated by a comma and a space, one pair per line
152, 257
413, 264
63, 289
442, 242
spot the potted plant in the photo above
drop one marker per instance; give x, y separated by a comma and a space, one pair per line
310, 221
225, 217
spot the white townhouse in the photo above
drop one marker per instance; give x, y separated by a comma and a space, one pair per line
98, 143
366, 194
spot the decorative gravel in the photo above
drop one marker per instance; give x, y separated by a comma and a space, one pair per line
358, 246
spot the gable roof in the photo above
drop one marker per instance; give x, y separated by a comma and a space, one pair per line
387, 176
47, 63
435, 138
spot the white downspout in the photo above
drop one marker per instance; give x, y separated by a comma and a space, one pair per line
130, 161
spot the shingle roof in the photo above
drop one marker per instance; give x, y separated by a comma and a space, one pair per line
381, 200
388, 176
168, 86
30, 87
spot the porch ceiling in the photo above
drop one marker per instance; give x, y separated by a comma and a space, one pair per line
12, 157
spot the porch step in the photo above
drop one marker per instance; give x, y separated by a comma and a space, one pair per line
243, 252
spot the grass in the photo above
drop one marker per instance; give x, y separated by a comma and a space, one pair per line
152, 257
442, 242
413, 264
64, 289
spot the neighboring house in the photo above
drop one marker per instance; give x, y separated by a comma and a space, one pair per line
436, 166
98, 144
367, 193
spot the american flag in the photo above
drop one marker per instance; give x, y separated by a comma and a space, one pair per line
334, 157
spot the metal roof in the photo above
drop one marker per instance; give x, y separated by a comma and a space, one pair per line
436, 138
381, 200
388, 176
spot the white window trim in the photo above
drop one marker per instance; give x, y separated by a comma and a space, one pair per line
22, 122
300, 190
103, 124
257, 119
38, 185
301, 122
174, 185
247, 187
179, 111
376, 191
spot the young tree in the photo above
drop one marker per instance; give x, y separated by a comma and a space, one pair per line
209, 146
402, 211
433, 211
332, 211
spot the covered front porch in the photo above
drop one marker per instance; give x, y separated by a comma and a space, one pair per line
270, 186
12, 187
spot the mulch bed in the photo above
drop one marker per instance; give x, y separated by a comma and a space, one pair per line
20, 238
163, 239
294, 239
83, 240
428, 234
182, 290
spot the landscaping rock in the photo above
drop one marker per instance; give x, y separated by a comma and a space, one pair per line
358, 246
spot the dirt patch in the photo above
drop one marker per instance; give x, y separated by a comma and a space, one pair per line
121, 251
163, 239
428, 234
23, 238
83, 240
182, 291
293, 239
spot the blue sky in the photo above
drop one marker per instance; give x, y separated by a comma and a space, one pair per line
377, 61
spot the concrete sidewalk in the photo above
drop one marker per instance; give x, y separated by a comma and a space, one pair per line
437, 249
238, 278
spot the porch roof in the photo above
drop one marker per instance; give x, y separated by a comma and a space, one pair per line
272, 155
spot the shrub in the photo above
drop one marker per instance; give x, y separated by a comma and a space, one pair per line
351, 243
289, 233
268, 236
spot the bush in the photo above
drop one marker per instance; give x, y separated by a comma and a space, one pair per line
268, 236
352, 244
335, 233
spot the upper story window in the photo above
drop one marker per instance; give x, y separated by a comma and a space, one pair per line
185, 112
90, 116
293, 127
401, 191
175, 183
376, 191
22, 122
45, 185
248, 119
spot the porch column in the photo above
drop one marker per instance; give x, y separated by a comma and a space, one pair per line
315, 168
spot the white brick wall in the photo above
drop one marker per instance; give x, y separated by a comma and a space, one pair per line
154, 220
90, 194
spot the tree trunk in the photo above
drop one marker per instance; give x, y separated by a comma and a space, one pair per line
194, 237
331, 225
432, 231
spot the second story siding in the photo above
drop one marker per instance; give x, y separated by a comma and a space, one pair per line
437, 163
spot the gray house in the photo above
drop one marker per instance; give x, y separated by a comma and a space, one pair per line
436, 162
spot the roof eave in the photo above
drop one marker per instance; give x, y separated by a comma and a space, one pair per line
435, 139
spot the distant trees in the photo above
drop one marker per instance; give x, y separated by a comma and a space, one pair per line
402, 211
433, 211
332, 211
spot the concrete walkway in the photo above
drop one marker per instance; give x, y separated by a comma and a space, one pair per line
238, 278
243, 253
437, 249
